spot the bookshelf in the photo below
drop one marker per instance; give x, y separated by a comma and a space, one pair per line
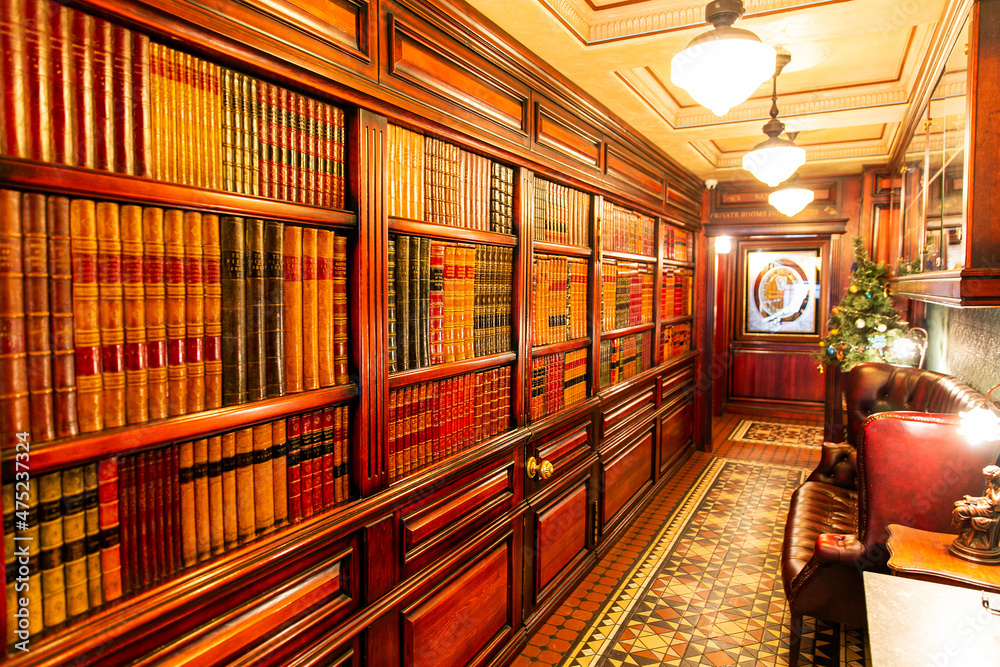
334, 515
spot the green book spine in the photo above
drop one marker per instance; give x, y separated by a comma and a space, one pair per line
403, 302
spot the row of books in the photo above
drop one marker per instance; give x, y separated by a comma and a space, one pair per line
624, 357
83, 91
447, 301
675, 340
121, 525
438, 182
429, 421
557, 381
677, 244
121, 314
561, 214
626, 294
676, 292
558, 299
623, 230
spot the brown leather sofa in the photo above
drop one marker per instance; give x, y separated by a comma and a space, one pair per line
911, 468
873, 388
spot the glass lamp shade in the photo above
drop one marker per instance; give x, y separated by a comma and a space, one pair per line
979, 425
774, 160
723, 67
790, 200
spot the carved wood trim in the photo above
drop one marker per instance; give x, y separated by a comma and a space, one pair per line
629, 171
560, 133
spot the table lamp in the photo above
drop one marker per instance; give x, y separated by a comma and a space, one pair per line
978, 518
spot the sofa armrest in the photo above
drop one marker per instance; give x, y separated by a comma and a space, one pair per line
838, 465
836, 549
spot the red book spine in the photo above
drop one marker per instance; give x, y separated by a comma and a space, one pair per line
263, 146
306, 465
176, 297
273, 141
340, 330
14, 403
282, 133
393, 431
37, 72
319, 450
142, 488
157, 535
126, 511
294, 470
434, 403
13, 111
341, 426
83, 76
104, 136
302, 184
61, 99
109, 278
326, 154
403, 431
331, 459
141, 106
87, 335
61, 307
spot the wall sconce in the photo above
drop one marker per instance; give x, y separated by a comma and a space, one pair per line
978, 519
723, 67
723, 244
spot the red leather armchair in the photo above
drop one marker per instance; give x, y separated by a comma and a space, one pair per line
911, 469
874, 388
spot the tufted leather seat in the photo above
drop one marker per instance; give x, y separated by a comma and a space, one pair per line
911, 468
874, 388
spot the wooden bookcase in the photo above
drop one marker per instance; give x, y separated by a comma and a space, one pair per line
480, 543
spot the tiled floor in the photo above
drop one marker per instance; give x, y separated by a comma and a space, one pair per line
695, 579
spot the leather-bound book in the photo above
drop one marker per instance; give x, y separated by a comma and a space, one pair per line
134, 314
35, 267
302, 149
103, 90
156, 158
310, 306
212, 278
191, 85
194, 311
274, 141
234, 326
405, 436
126, 517
189, 518
109, 279
215, 503
230, 532
402, 279
181, 104
416, 351
284, 185
436, 303
13, 108
61, 78
245, 519
319, 460
294, 467
342, 435
37, 84
393, 434
9, 559
340, 370
325, 319
176, 307
293, 308
263, 147
154, 286
331, 458
82, 29
159, 470
469, 301
86, 316
450, 303
254, 271
251, 171
263, 479
202, 520
121, 91
14, 398
307, 455
325, 158
279, 471
141, 138
422, 425
110, 547
274, 308
228, 130
74, 543
238, 136
48, 496
309, 150
391, 298
92, 520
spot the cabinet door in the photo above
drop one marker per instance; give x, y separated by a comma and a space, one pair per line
559, 530
676, 427
626, 472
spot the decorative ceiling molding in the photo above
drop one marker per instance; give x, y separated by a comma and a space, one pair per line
870, 150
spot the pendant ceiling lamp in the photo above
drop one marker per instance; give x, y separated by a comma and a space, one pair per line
790, 200
775, 160
723, 67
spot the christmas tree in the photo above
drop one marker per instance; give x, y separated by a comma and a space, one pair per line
865, 326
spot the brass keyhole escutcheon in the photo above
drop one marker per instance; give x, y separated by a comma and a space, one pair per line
531, 467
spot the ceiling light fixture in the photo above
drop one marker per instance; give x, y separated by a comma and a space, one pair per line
721, 68
790, 200
774, 160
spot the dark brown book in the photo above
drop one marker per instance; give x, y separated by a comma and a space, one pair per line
122, 90
109, 279
36, 316
279, 471
324, 301
134, 302
274, 308
142, 121
215, 502
86, 316
104, 95
154, 288
175, 309
402, 279
194, 315
13, 108
143, 556
234, 325
212, 278
37, 83
202, 522
82, 28
61, 99
189, 518
254, 272
340, 369
310, 308
61, 305
292, 247
154, 515
331, 460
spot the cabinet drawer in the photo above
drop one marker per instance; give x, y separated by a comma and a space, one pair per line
682, 380
625, 473
632, 409
459, 509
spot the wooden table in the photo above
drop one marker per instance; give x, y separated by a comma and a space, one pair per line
921, 554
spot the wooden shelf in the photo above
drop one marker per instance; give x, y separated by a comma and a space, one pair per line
678, 360
449, 233
961, 288
627, 256
441, 371
556, 348
667, 321
623, 386
86, 447
566, 414
445, 465
560, 249
638, 328
105, 185
677, 262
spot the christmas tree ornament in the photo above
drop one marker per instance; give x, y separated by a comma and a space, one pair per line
834, 332
853, 289
868, 295
881, 328
831, 351
836, 309
860, 323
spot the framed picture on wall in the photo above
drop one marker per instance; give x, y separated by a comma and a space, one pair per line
781, 291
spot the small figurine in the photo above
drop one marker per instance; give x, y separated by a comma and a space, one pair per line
978, 522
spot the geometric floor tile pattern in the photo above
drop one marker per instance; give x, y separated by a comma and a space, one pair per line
695, 581
789, 435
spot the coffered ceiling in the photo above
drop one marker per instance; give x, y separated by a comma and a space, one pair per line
858, 69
